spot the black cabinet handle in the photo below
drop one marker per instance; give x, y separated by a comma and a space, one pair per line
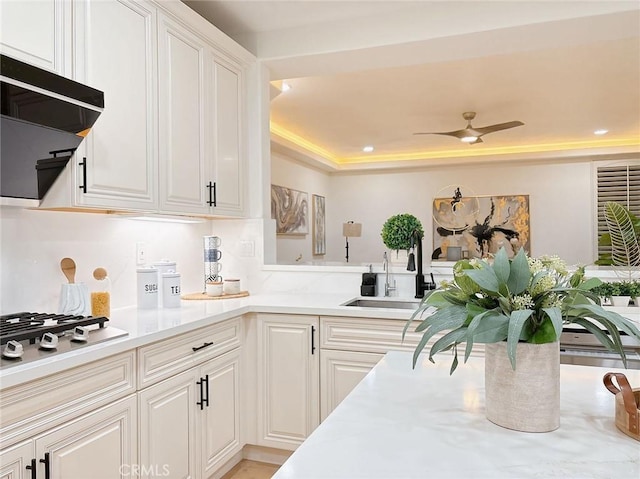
201, 402
32, 468
215, 201
313, 340
45, 461
206, 390
205, 345
83, 164
212, 200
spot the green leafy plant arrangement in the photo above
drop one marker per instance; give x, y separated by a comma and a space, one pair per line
519, 300
398, 230
633, 288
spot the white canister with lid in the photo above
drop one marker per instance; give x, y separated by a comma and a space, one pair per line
171, 289
163, 266
147, 283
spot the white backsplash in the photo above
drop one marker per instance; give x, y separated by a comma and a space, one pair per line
33, 243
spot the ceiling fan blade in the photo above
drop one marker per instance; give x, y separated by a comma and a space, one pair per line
500, 126
456, 134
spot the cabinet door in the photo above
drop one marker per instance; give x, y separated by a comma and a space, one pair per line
34, 33
15, 460
340, 372
116, 49
100, 445
221, 418
228, 127
168, 427
287, 379
182, 104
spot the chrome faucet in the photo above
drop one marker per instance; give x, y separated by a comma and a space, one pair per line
387, 286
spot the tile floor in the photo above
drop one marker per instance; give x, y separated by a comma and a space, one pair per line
246, 469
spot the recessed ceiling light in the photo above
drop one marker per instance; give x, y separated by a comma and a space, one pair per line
368, 149
601, 131
285, 87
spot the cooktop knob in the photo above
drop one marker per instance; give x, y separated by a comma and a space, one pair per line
49, 341
12, 350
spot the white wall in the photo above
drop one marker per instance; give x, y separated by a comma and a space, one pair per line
291, 174
560, 194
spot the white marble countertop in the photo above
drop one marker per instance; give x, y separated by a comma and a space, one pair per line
423, 423
147, 326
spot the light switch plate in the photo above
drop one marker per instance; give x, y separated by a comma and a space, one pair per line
247, 249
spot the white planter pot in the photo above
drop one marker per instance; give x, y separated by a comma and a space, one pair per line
399, 257
636, 300
527, 399
620, 300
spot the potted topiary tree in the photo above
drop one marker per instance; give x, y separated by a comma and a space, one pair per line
397, 232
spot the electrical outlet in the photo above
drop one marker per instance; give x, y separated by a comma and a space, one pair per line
247, 249
141, 253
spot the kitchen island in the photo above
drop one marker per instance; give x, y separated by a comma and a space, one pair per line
403, 423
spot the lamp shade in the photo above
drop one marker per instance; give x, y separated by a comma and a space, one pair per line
351, 229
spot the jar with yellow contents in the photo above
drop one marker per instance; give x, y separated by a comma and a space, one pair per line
101, 294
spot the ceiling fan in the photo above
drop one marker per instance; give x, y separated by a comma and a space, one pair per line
473, 135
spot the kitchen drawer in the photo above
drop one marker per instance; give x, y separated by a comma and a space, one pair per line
171, 356
31, 408
367, 334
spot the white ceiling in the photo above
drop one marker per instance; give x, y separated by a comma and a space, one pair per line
373, 73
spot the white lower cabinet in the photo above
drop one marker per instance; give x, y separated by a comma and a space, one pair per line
288, 379
100, 445
340, 372
189, 423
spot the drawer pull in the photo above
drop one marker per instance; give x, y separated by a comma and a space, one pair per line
32, 467
47, 465
205, 345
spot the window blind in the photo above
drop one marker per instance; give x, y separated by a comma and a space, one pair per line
620, 184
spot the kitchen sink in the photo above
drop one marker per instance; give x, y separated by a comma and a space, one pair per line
384, 303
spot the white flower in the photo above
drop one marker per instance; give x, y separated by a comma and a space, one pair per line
523, 301
545, 283
552, 301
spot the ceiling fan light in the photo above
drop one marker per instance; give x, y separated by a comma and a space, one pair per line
469, 139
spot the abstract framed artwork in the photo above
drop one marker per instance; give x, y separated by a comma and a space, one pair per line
481, 225
319, 245
290, 209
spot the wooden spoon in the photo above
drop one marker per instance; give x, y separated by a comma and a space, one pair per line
68, 267
99, 273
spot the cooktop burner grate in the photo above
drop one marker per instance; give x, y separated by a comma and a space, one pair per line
31, 326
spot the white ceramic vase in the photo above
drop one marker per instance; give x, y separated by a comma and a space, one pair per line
527, 399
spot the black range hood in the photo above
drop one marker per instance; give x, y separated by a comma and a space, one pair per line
44, 118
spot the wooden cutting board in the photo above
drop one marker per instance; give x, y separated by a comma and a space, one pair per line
197, 296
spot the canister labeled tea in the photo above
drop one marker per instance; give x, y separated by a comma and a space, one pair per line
163, 266
171, 290
147, 288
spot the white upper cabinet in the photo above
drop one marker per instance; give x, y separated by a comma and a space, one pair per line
183, 98
229, 170
116, 53
34, 32
201, 125
115, 167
